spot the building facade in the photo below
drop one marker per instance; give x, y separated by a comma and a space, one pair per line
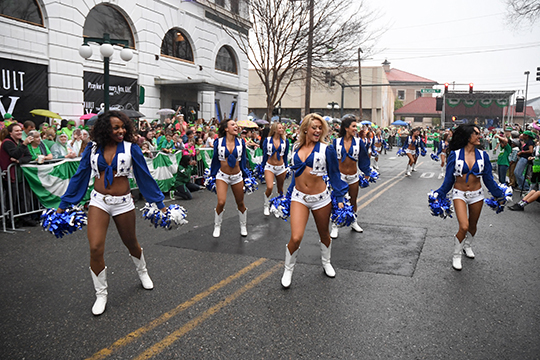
184, 54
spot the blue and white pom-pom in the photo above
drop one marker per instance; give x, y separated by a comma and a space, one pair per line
173, 217
280, 206
209, 181
423, 152
373, 176
250, 184
344, 216
289, 173
385, 144
363, 182
435, 157
374, 153
401, 152
259, 173
439, 206
71, 220
497, 206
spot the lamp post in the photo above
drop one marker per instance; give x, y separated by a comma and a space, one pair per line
106, 49
525, 104
332, 105
360, 114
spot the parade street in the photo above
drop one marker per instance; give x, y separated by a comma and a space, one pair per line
395, 295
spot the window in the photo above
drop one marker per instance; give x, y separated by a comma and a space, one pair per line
176, 44
401, 94
226, 61
25, 10
418, 119
418, 94
220, 3
235, 6
105, 19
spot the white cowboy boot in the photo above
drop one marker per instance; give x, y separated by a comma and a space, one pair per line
334, 231
467, 246
100, 284
326, 253
243, 222
266, 208
217, 223
408, 173
290, 262
413, 167
456, 260
376, 166
356, 227
441, 175
140, 264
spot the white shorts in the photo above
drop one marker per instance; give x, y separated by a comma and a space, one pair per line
313, 202
378, 149
470, 197
229, 179
276, 170
112, 205
409, 151
350, 179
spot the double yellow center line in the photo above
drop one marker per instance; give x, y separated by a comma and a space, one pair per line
160, 346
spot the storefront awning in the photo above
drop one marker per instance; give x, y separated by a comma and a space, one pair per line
200, 85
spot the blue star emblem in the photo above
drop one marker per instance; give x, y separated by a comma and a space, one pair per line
122, 161
124, 199
121, 169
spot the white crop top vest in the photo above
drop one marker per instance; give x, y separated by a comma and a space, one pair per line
222, 146
355, 145
270, 146
458, 169
123, 164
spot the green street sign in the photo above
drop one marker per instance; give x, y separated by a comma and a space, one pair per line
430, 91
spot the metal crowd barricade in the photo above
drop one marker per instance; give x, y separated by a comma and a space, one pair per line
20, 197
3, 202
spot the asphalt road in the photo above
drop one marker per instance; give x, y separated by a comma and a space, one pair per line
395, 295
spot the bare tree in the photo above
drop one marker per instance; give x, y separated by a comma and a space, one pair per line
523, 9
277, 47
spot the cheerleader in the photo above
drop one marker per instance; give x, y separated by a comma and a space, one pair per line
378, 143
412, 146
312, 159
229, 169
111, 159
352, 154
275, 152
441, 152
464, 160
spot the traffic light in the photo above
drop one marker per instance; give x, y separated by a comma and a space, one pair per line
327, 77
446, 88
439, 103
453, 118
332, 80
471, 88
538, 74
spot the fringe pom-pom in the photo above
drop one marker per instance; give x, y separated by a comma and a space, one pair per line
373, 176
71, 220
439, 206
400, 152
435, 157
210, 183
374, 153
497, 206
259, 173
174, 216
363, 182
423, 152
344, 216
280, 206
250, 184
289, 173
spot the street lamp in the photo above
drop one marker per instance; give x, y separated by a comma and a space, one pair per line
332, 105
525, 104
360, 84
107, 50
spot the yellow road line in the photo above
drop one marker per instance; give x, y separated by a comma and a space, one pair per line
382, 190
163, 318
169, 340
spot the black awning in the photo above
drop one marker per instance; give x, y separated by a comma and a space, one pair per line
199, 85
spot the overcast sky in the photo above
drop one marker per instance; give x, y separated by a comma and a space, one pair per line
459, 40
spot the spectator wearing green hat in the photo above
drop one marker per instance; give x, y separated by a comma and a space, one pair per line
68, 130
526, 150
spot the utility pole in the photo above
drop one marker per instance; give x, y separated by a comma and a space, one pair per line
360, 85
525, 105
307, 105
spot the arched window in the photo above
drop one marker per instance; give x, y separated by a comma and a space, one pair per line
25, 10
105, 19
226, 61
176, 44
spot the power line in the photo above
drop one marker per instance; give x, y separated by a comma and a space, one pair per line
445, 22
